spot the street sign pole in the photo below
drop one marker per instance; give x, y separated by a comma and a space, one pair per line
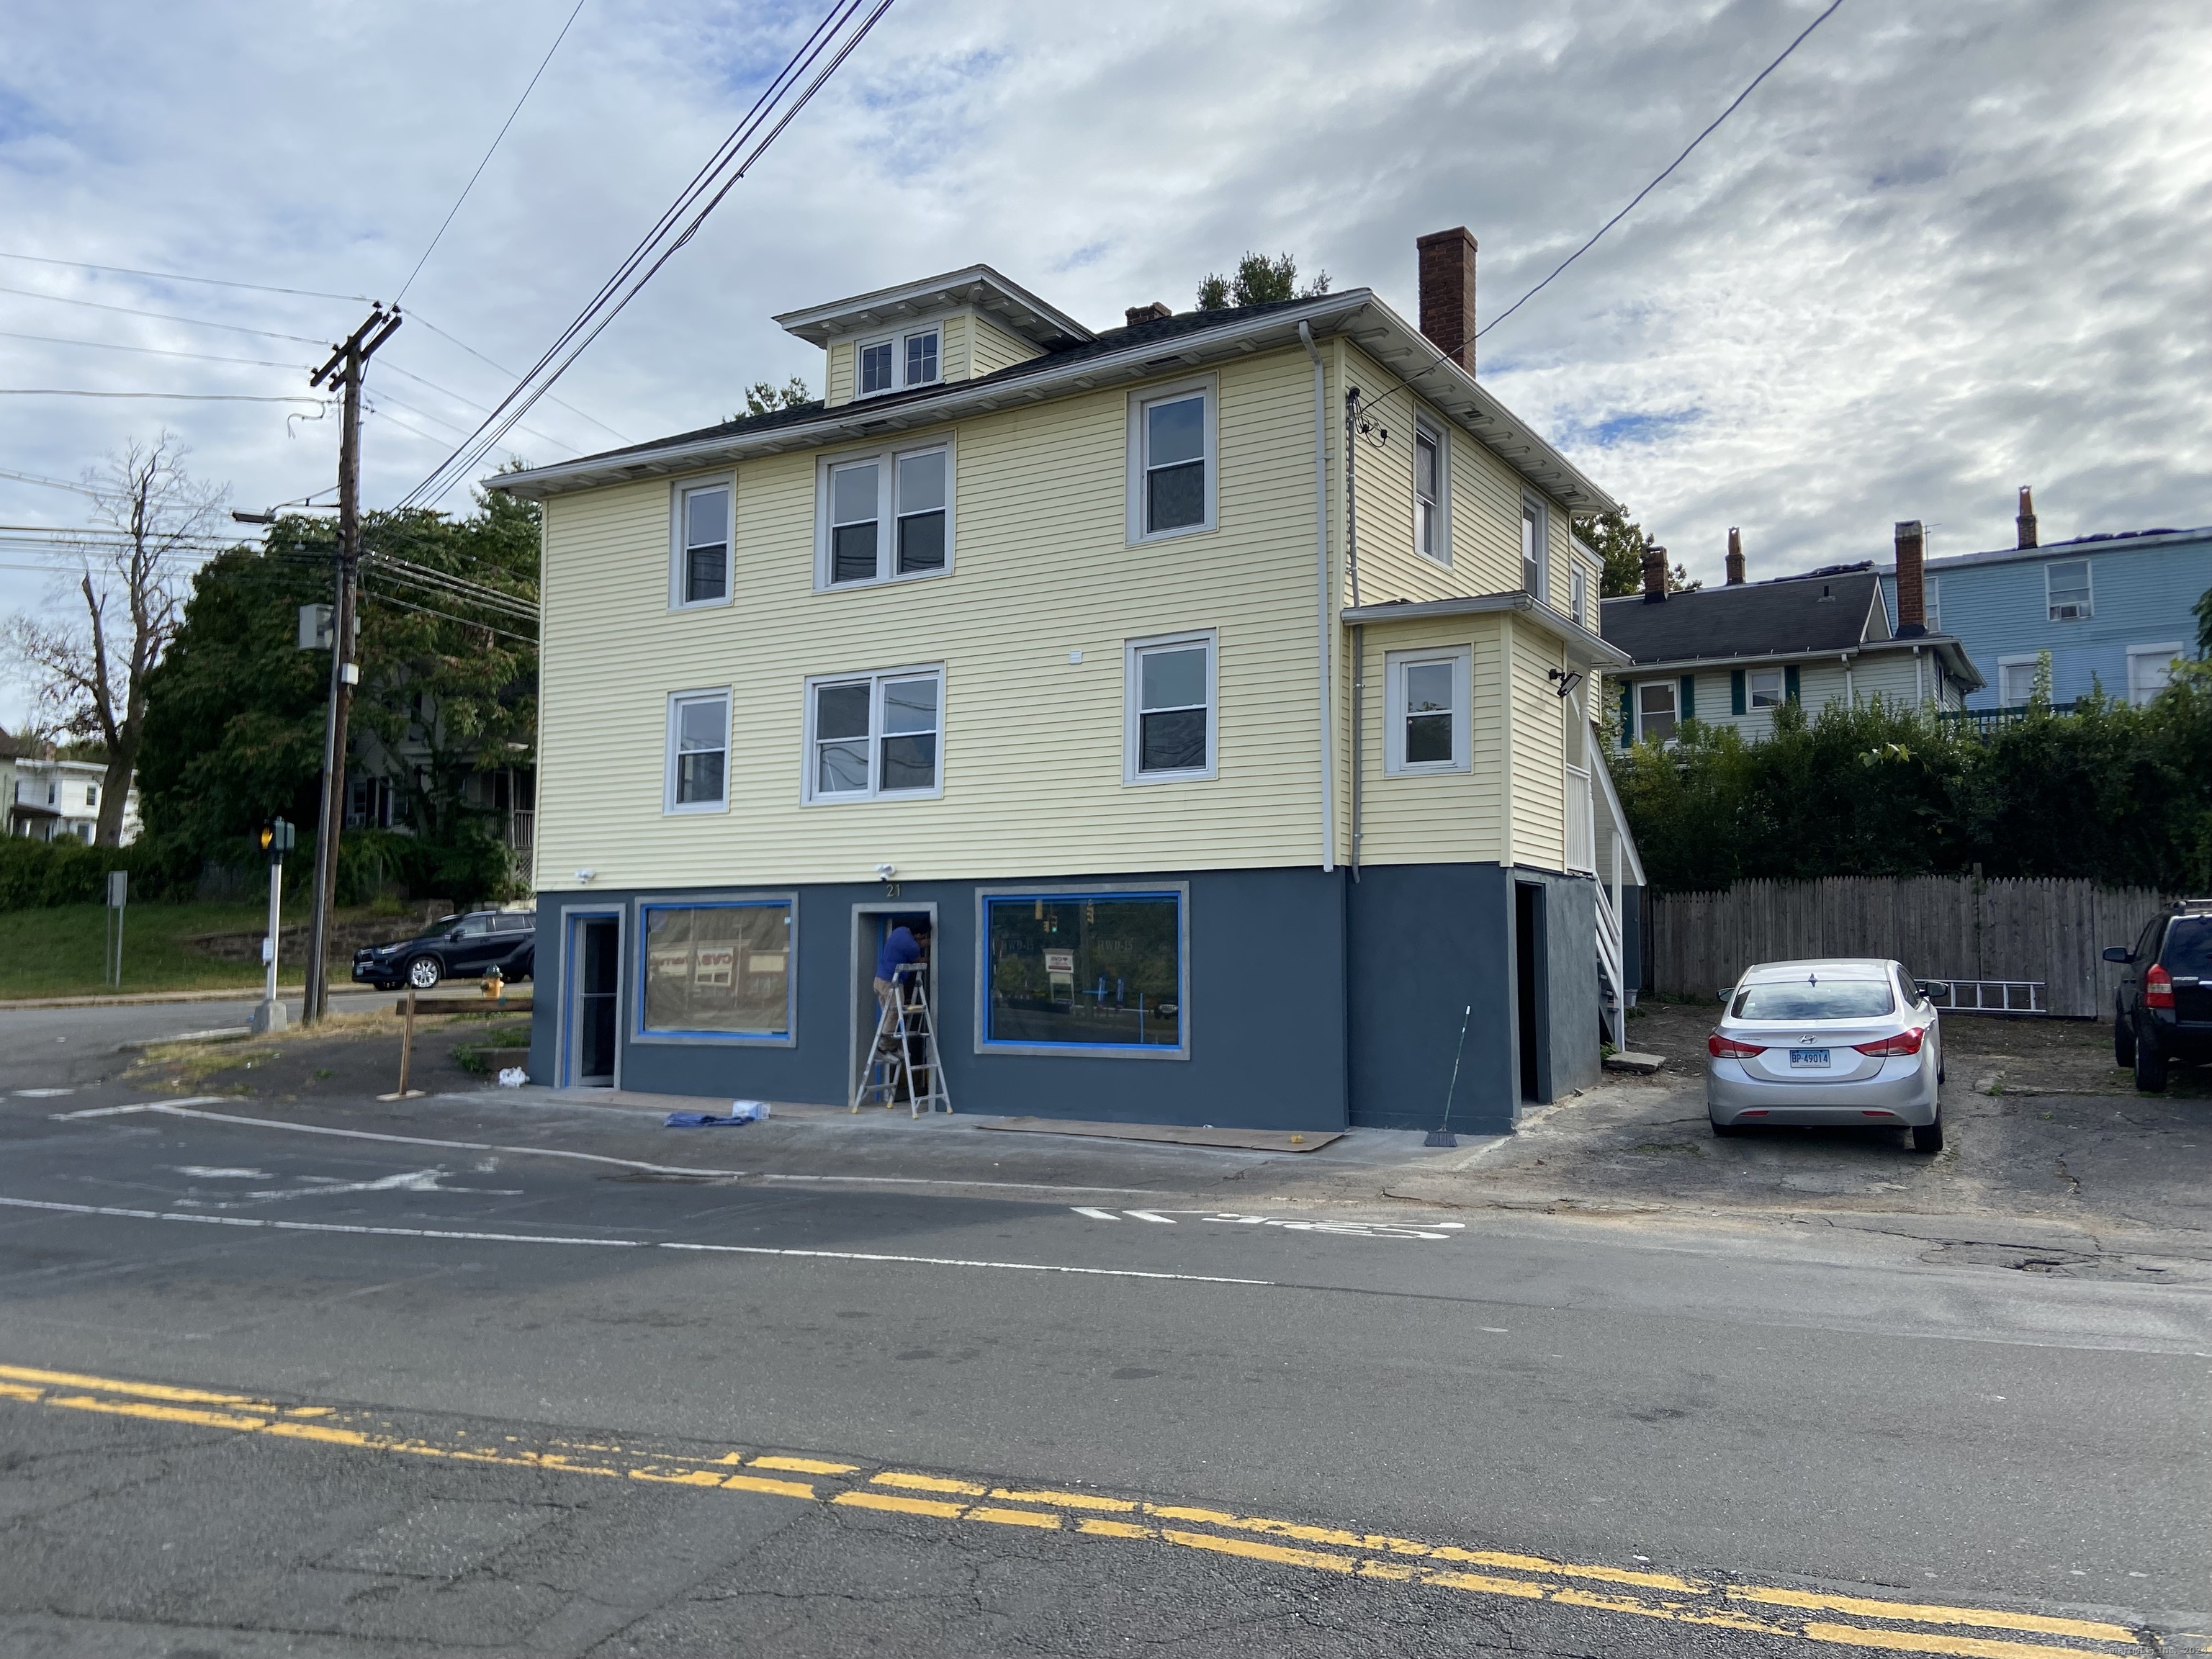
275, 840
118, 895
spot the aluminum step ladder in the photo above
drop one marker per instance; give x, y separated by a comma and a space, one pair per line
906, 1042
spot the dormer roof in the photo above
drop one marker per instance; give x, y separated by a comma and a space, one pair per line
1011, 307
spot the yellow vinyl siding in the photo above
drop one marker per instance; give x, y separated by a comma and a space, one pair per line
993, 348
1484, 506
1032, 755
1435, 818
952, 344
1539, 793
837, 375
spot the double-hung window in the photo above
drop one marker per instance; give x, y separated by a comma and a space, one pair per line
1655, 710
886, 515
698, 752
908, 360
2066, 584
2016, 680
702, 545
1432, 481
1172, 488
1428, 697
1762, 689
1535, 555
1170, 717
1581, 597
869, 735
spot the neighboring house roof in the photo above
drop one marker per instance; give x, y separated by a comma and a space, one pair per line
1008, 304
1823, 614
2121, 541
1161, 346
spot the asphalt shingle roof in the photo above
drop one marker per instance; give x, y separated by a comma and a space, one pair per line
1756, 619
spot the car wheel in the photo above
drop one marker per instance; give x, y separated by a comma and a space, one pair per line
1929, 1137
1725, 1129
521, 969
424, 973
2124, 1042
2150, 1065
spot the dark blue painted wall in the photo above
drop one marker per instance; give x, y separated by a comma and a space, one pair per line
1266, 1012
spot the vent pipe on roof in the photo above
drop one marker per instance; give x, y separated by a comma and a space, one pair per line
2026, 519
1654, 575
1448, 292
1912, 582
1735, 557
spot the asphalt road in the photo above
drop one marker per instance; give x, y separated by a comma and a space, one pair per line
500, 1375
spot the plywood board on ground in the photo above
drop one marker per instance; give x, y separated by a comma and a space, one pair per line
1253, 1140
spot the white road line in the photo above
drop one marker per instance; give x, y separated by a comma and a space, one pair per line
1149, 1215
118, 1213
180, 1108
1095, 1215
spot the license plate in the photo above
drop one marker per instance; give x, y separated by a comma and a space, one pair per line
1818, 1057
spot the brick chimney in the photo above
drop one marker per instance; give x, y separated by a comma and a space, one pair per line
2026, 519
1153, 312
1912, 582
1654, 575
1448, 293
1735, 557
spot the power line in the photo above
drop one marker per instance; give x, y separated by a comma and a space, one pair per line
488, 155
622, 437
178, 277
165, 396
462, 622
148, 351
163, 316
773, 112
1662, 179
51, 483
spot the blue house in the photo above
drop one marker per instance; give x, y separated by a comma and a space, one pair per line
2113, 610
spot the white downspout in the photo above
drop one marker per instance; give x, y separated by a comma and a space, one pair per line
1322, 621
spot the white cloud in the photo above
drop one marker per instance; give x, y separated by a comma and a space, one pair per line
1941, 253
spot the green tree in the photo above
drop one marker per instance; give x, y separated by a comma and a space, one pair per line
235, 711
1259, 281
763, 399
1618, 541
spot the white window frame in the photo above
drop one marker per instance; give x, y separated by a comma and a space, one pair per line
670, 807
1751, 704
1931, 604
887, 459
2088, 585
1440, 510
874, 679
2027, 660
1578, 594
680, 497
1209, 387
1394, 664
1533, 508
2161, 653
1132, 712
897, 340
1674, 707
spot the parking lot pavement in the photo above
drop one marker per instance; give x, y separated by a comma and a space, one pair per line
2042, 1130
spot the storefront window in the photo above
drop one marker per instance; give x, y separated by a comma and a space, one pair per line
717, 970
1085, 971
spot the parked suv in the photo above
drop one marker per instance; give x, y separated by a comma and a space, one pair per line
2163, 1009
454, 947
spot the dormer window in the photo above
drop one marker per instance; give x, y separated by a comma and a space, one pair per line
904, 360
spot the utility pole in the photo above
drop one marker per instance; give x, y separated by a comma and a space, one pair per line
348, 364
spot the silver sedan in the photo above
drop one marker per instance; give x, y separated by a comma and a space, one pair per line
1854, 1041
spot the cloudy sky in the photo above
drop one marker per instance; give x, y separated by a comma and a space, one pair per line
1943, 252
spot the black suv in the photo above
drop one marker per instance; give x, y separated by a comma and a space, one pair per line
455, 947
2164, 1008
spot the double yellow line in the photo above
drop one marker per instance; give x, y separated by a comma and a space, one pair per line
1765, 1609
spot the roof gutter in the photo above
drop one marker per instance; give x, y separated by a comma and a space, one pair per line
1952, 653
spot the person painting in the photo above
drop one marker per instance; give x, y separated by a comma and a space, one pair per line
902, 945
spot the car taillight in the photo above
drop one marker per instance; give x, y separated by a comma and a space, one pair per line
1721, 1048
2158, 988
1904, 1043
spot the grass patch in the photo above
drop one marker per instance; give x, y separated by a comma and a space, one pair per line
494, 1048
62, 952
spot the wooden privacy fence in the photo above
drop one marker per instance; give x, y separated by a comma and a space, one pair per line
1939, 926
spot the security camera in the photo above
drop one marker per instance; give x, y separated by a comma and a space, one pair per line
885, 872
584, 876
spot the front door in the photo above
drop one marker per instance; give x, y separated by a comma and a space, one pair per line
595, 959
871, 926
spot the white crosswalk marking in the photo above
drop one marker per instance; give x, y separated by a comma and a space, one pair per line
1095, 1215
1150, 1215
